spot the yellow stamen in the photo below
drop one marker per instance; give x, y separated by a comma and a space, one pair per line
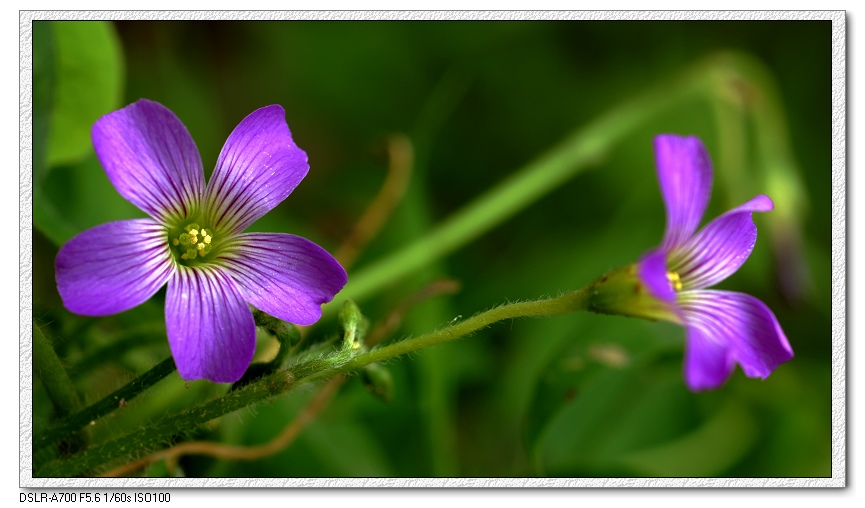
194, 243
675, 281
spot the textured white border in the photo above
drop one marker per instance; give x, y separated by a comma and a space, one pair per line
839, 245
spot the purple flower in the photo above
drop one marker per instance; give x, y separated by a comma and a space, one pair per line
194, 239
722, 327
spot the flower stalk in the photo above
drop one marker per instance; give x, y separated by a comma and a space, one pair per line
573, 301
343, 360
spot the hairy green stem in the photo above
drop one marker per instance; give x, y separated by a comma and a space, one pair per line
572, 301
283, 381
161, 432
108, 404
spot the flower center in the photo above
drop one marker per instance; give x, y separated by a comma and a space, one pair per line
191, 243
675, 281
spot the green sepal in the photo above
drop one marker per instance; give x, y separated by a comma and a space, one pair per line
352, 325
286, 334
621, 292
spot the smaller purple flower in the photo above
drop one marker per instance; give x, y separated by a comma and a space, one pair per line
722, 327
194, 239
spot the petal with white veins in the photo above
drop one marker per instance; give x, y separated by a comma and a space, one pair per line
708, 362
151, 159
210, 327
685, 177
286, 276
258, 167
113, 267
720, 248
743, 324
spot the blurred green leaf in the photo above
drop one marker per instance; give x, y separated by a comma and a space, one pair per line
326, 447
43, 94
89, 83
80, 196
586, 415
639, 420
45, 217
348, 448
604, 397
77, 77
710, 450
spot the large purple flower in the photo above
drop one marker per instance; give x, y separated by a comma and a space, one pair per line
722, 327
194, 238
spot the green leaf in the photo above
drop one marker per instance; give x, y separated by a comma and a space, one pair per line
600, 400
709, 450
89, 81
583, 415
43, 94
347, 449
637, 419
77, 197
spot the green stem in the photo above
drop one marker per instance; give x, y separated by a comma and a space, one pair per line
732, 142
54, 378
157, 434
283, 381
61, 391
527, 185
745, 79
572, 301
108, 404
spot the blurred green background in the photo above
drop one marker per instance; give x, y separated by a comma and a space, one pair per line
579, 395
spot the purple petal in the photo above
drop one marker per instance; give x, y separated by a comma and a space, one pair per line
210, 328
258, 167
708, 362
286, 276
652, 270
151, 159
685, 176
720, 248
742, 324
113, 267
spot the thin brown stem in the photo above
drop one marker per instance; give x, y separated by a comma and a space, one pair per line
229, 452
400, 161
